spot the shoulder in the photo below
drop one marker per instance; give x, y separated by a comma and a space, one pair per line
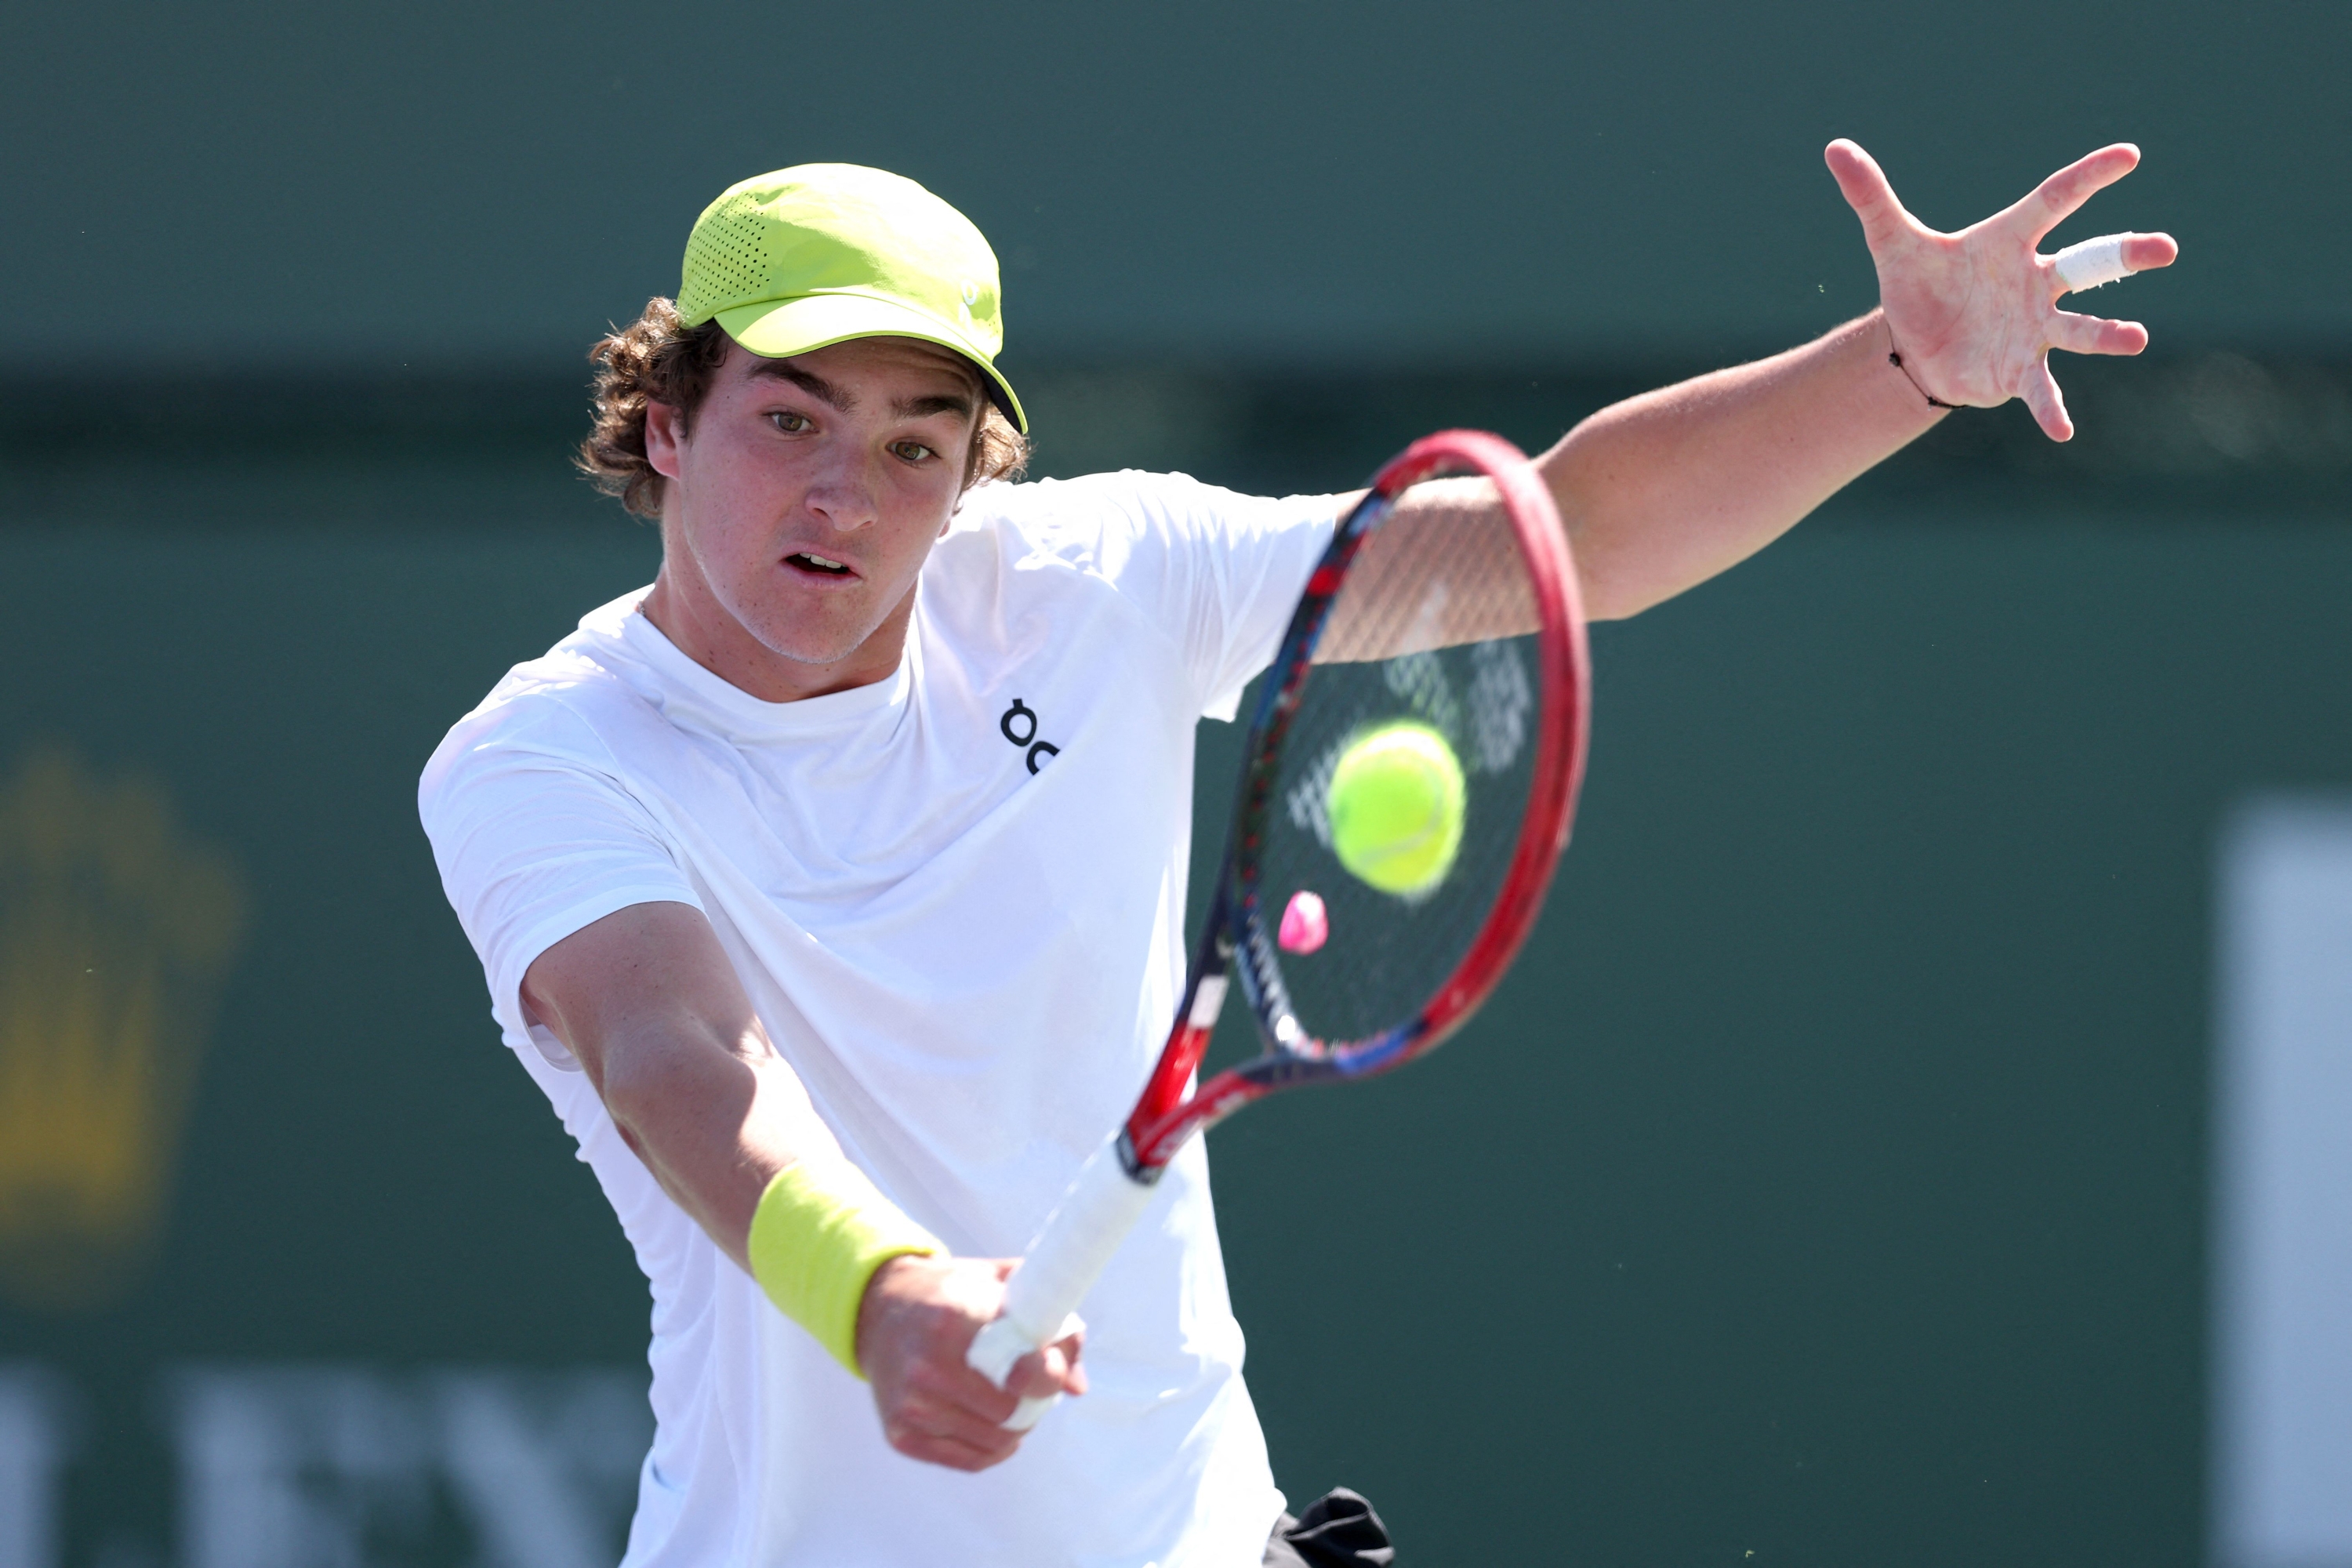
1101, 522
578, 706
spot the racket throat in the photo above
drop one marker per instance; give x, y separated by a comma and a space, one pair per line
1140, 1149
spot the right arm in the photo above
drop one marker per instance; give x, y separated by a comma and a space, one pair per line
647, 1000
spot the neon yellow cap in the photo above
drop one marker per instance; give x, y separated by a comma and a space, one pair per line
821, 253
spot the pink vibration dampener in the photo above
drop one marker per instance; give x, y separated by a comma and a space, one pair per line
1306, 923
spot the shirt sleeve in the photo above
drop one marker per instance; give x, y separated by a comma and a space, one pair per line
534, 842
1219, 571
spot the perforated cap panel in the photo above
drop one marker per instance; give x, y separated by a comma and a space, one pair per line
726, 260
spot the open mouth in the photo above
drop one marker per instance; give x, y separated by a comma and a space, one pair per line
816, 564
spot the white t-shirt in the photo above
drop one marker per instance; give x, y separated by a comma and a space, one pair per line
956, 898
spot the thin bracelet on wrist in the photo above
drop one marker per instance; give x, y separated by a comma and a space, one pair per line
1895, 358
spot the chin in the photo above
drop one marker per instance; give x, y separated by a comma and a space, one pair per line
793, 632
795, 644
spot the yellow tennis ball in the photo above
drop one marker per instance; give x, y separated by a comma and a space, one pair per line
1395, 805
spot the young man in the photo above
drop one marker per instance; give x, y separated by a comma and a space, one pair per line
832, 888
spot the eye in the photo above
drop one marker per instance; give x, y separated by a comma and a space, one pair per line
911, 451
790, 423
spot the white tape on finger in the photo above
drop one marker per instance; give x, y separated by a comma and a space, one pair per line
2092, 263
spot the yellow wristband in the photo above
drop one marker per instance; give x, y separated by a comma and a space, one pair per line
816, 1239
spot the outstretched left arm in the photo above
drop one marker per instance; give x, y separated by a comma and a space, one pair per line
1663, 491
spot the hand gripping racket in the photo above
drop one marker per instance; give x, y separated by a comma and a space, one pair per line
1451, 646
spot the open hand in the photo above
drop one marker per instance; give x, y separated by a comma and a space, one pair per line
1975, 314
917, 1319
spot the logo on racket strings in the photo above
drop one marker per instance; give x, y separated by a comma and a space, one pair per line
1502, 700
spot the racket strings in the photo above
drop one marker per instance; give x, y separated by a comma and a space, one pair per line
1431, 634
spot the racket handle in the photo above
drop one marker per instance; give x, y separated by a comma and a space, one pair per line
1096, 1213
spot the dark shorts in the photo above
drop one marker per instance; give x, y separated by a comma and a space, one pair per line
1339, 1530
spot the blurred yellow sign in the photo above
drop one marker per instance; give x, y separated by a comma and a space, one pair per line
116, 931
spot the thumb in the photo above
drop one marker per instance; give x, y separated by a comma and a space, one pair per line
1044, 1372
1865, 188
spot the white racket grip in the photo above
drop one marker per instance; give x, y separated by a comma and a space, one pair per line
1101, 1206
2092, 263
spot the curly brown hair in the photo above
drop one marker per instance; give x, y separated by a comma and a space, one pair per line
658, 359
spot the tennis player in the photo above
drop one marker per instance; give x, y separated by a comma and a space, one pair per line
832, 887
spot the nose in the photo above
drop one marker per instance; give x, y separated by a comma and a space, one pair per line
842, 489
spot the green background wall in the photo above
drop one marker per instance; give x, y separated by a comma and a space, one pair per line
441, 183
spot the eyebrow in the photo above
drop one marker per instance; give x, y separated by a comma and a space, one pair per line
815, 385
921, 407
835, 398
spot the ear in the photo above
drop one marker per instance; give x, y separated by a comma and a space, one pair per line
664, 437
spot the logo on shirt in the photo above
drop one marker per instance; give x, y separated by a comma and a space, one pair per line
1020, 727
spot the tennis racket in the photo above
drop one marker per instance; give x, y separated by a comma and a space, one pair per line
1458, 636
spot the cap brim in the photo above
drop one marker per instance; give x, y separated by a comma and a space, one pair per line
778, 328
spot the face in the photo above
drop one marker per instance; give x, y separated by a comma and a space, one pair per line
802, 498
